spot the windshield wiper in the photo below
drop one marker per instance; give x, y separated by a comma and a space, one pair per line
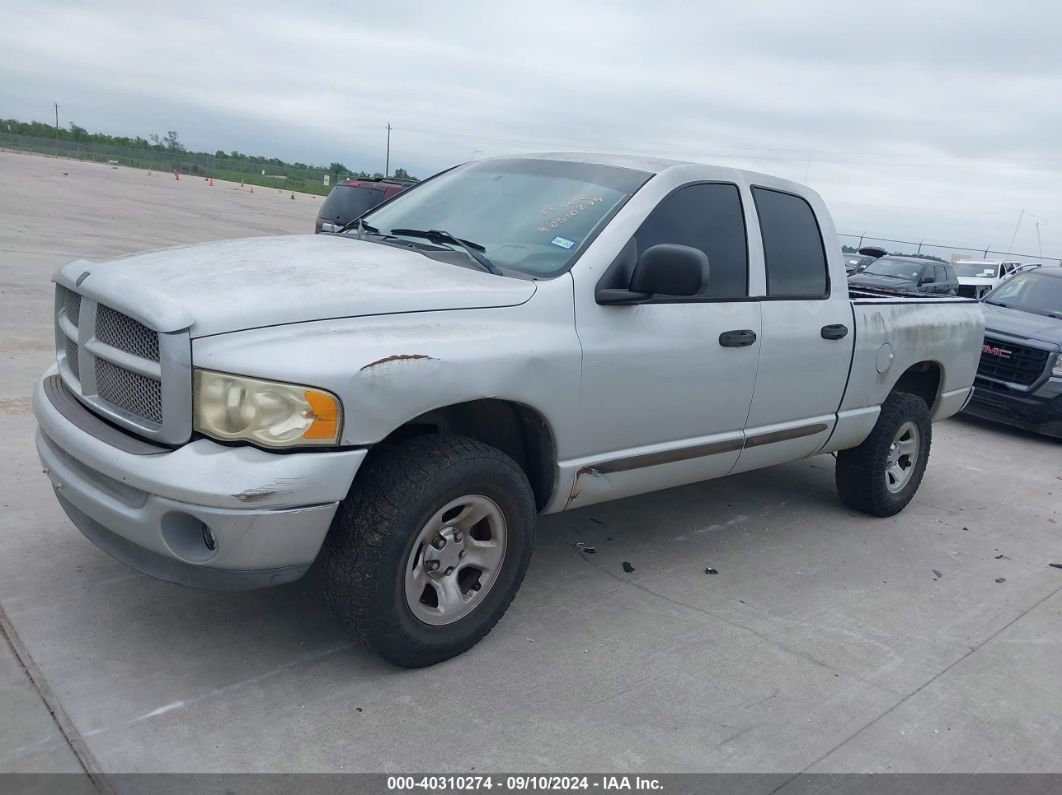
360, 225
474, 250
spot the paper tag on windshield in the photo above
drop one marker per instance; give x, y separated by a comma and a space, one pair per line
563, 242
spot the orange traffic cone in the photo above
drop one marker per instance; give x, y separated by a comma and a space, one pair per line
176, 176
211, 182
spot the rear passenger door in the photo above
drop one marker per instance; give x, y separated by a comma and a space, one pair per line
807, 336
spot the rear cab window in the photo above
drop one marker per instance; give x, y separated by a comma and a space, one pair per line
792, 246
347, 202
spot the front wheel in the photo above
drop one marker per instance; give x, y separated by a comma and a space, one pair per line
428, 551
881, 475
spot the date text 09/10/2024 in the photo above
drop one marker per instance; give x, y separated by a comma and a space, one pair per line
518, 783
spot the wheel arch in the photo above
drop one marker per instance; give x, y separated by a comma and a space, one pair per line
518, 430
924, 379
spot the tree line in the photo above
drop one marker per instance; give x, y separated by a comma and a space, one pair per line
170, 144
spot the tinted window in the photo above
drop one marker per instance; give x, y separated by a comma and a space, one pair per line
708, 217
345, 203
792, 245
942, 274
896, 268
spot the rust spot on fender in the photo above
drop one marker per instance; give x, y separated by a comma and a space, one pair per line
398, 357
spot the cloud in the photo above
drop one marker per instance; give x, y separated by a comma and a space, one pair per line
916, 120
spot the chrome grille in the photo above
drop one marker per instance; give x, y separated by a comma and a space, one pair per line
132, 392
1015, 364
71, 357
122, 332
72, 306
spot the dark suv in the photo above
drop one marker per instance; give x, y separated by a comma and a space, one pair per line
353, 198
1019, 379
908, 275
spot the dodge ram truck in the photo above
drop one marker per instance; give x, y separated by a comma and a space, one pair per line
398, 401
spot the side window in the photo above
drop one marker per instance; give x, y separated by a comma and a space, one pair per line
792, 246
942, 275
707, 216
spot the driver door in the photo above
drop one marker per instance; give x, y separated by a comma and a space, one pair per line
665, 394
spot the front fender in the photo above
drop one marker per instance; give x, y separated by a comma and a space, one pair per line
389, 369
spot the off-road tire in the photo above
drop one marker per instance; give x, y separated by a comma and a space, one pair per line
860, 471
369, 544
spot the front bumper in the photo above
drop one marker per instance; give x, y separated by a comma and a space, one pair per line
1040, 411
160, 510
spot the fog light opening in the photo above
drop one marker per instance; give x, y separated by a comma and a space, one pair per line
188, 537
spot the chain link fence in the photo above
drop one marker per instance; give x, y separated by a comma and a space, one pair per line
257, 171
944, 251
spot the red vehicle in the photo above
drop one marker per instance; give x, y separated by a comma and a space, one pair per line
354, 197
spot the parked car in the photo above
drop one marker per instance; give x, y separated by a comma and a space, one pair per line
977, 277
353, 198
908, 275
1019, 378
516, 336
856, 263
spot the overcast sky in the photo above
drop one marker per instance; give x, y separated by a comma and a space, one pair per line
938, 120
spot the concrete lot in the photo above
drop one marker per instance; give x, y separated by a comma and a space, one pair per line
827, 641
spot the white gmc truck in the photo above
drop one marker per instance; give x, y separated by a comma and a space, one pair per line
398, 401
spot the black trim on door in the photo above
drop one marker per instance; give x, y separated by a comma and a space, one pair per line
702, 450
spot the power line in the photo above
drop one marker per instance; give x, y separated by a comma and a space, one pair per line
985, 249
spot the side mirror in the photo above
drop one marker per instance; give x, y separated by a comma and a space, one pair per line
664, 269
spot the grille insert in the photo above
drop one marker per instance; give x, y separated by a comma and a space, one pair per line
133, 392
71, 358
1017, 364
122, 332
72, 306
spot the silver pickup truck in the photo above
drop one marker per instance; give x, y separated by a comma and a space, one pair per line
396, 402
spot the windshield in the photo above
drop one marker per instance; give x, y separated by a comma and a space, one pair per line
1031, 292
347, 202
979, 270
897, 268
531, 216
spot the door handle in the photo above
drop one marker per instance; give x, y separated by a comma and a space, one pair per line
835, 331
737, 339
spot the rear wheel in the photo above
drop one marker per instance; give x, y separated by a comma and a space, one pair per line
428, 550
881, 475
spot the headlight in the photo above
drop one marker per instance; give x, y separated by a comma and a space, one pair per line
234, 407
1057, 369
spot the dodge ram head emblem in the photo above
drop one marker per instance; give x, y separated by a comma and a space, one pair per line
1002, 353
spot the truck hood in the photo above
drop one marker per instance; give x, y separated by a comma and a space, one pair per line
1022, 324
214, 288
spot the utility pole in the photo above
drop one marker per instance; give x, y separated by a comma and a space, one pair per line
387, 162
56, 119
1016, 228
